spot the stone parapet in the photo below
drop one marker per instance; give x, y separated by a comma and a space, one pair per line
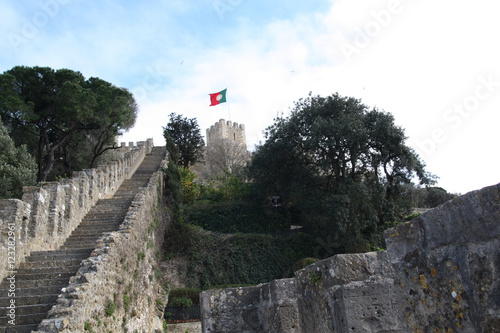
440, 273
344, 293
46, 215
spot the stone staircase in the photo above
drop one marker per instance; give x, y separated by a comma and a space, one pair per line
41, 277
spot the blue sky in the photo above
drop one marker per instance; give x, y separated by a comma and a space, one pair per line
432, 64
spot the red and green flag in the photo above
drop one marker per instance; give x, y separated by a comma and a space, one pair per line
218, 97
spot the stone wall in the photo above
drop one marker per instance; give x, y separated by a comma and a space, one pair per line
440, 273
47, 215
117, 289
447, 265
344, 293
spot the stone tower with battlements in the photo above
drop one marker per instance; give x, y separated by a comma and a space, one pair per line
227, 131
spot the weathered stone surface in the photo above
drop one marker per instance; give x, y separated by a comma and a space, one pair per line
441, 273
279, 309
236, 311
447, 265
365, 306
348, 291
345, 293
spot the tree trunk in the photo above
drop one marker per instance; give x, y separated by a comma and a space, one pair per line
48, 166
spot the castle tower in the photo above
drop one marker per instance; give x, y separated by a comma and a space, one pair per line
228, 131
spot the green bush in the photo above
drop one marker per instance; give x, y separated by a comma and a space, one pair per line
302, 263
227, 187
232, 217
222, 259
192, 293
183, 301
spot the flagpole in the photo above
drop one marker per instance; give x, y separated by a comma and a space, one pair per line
228, 110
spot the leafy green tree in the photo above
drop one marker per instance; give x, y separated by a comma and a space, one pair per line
54, 111
186, 136
173, 177
437, 196
338, 165
17, 167
117, 113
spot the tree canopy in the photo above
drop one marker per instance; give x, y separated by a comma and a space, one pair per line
60, 116
337, 164
186, 135
17, 167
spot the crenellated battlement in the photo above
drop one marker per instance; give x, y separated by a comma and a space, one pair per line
226, 130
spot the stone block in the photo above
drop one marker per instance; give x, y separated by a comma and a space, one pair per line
278, 310
231, 310
365, 306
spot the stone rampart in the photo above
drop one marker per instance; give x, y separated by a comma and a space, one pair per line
440, 273
223, 130
46, 215
117, 289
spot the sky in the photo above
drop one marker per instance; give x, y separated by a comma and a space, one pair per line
434, 65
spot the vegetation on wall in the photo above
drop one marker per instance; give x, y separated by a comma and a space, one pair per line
232, 217
221, 259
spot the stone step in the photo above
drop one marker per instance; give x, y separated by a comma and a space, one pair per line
96, 227
33, 308
99, 216
34, 283
115, 206
27, 319
45, 270
103, 217
79, 251
38, 291
79, 245
29, 300
49, 256
52, 263
19, 328
26, 275
106, 213
95, 233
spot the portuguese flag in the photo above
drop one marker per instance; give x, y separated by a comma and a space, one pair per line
218, 97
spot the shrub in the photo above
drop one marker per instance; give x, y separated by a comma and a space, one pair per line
183, 301
110, 309
302, 263
232, 217
192, 293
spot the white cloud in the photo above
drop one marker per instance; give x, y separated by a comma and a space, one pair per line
415, 59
